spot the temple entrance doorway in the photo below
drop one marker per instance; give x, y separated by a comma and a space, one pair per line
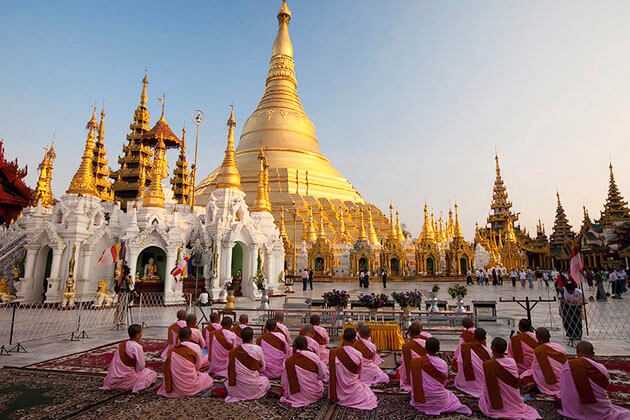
319, 265
363, 264
430, 266
237, 268
150, 270
463, 265
394, 264
45, 264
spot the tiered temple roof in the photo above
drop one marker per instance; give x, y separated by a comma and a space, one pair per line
501, 206
615, 208
14, 194
83, 181
99, 164
43, 190
181, 181
562, 230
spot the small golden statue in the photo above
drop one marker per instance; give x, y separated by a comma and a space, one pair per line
150, 272
5, 295
104, 299
68, 293
16, 273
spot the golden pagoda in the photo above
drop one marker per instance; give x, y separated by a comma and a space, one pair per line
43, 190
298, 171
83, 181
181, 176
615, 208
262, 203
154, 196
99, 164
228, 175
136, 162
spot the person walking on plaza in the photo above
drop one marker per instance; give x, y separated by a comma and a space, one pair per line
361, 278
479, 277
469, 280
384, 278
304, 279
494, 277
522, 277
311, 277
366, 279
546, 278
571, 311
513, 277
530, 278
600, 281
614, 284
539, 277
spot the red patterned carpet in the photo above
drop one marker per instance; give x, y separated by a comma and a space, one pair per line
95, 362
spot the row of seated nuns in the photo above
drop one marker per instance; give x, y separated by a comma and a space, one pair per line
530, 362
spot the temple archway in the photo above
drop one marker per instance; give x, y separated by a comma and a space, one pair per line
430, 266
42, 268
363, 264
151, 268
319, 265
463, 265
236, 269
394, 265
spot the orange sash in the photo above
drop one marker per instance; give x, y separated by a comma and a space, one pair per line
494, 371
182, 351
237, 330
124, 357
298, 359
517, 345
583, 372
418, 365
246, 360
173, 330
467, 336
543, 353
272, 340
347, 362
480, 351
220, 339
408, 347
321, 340
363, 348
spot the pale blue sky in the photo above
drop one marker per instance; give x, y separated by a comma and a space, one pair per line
410, 98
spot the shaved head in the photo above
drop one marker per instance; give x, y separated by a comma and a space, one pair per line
499, 346
415, 329
226, 322
191, 320
243, 319
349, 335
524, 325
467, 322
300, 343
364, 330
308, 330
271, 325
315, 319
432, 345
543, 335
480, 335
584, 348
279, 317
181, 315
214, 317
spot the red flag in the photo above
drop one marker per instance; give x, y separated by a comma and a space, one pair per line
576, 265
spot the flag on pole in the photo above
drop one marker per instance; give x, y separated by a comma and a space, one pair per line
181, 269
576, 265
112, 254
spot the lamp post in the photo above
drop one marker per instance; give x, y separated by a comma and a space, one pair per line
198, 117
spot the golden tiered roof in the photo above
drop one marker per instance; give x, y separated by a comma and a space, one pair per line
427, 235
501, 205
181, 176
99, 164
372, 236
280, 125
457, 234
228, 176
43, 190
154, 196
561, 227
310, 234
83, 181
161, 131
137, 159
615, 208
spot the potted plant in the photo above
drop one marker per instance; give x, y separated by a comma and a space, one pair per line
458, 292
337, 299
260, 282
434, 298
373, 302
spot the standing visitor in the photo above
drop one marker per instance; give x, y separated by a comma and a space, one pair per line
522, 276
384, 278
546, 278
304, 279
600, 295
361, 278
513, 277
366, 279
311, 276
479, 277
530, 278
494, 276
571, 311
469, 280
539, 277
614, 284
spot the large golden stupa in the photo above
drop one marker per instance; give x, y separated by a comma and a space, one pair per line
298, 172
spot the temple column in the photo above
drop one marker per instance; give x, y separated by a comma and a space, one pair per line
55, 264
25, 287
171, 296
224, 272
250, 270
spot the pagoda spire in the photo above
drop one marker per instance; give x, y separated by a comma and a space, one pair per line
83, 181
262, 203
450, 226
229, 176
427, 234
311, 233
501, 205
457, 234
615, 208
99, 166
393, 233
362, 234
154, 196
322, 231
372, 236
43, 190
342, 235
181, 175
282, 227
400, 235
561, 227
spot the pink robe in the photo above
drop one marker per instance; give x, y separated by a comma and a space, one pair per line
538, 376
475, 386
371, 373
274, 358
574, 409
285, 331
405, 383
121, 377
311, 383
438, 399
351, 392
250, 385
459, 345
528, 354
221, 356
323, 348
206, 333
513, 405
174, 339
186, 377
239, 341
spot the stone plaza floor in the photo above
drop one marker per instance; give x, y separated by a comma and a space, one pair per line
544, 314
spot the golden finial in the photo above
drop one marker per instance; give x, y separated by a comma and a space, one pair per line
163, 102
322, 231
311, 234
283, 229
100, 169
83, 180
427, 234
282, 44
458, 227
399, 232
362, 234
497, 167
229, 176
262, 203
43, 190
154, 196
372, 236
181, 182
143, 94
